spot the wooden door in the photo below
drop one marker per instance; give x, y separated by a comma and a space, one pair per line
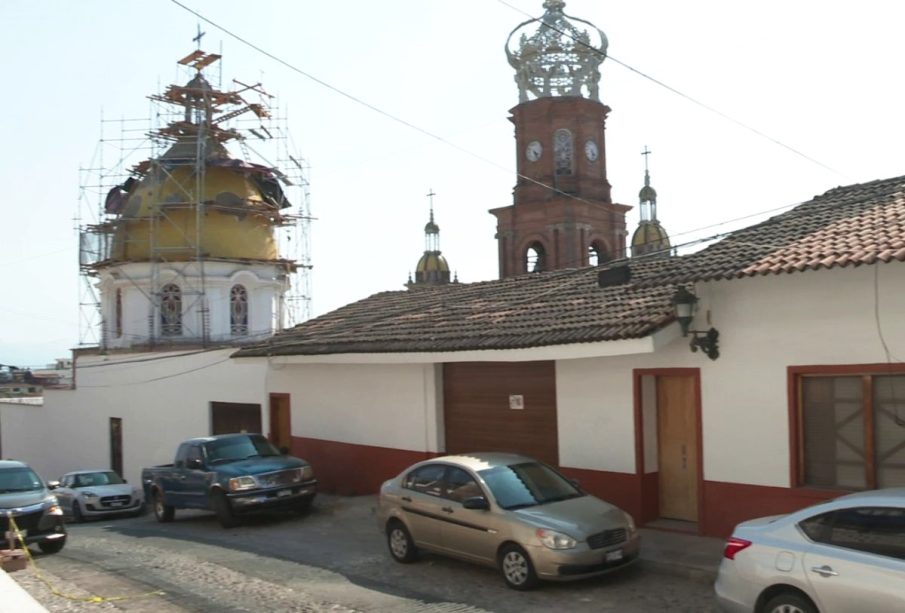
677, 435
280, 421
116, 445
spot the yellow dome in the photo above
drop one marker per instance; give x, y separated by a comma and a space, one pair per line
650, 237
432, 262
160, 211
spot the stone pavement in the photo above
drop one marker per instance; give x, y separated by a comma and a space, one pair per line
680, 554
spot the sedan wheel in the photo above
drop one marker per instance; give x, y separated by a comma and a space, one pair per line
402, 548
517, 568
77, 516
789, 603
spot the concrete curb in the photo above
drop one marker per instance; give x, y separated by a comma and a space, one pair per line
14, 599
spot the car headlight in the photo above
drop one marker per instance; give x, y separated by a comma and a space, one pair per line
52, 506
307, 473
555, 540
239, 484
89, 495
631, 522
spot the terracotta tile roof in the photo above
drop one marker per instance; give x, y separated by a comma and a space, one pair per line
552, 308
847, 226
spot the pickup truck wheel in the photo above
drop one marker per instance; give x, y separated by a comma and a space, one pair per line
303, 506
162, 511
225, 515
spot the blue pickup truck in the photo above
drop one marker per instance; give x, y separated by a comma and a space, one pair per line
229, 474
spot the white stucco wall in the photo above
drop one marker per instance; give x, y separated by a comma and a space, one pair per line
766, 324
265, 284
162, 399
770, 323
389, 405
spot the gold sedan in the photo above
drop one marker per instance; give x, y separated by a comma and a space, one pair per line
507, 511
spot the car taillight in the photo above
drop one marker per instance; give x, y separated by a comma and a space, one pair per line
733, 546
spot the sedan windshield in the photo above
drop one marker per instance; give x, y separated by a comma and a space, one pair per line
19, 479
527, 484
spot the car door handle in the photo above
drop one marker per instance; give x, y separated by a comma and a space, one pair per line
824, 571
406, 499
447, 509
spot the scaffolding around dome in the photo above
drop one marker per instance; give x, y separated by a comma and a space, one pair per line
206, 195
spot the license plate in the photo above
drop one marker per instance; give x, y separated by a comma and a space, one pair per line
117, 503
282, 493
614, 556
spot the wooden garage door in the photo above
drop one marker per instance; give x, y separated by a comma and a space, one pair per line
478, 413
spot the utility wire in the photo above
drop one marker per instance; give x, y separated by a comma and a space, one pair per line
438, 138
681, 94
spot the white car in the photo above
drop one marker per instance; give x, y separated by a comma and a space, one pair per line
97, 493
846, 555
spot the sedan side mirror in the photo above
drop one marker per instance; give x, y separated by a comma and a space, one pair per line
476, 502
53, 484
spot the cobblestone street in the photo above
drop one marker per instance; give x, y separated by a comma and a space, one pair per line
333, 560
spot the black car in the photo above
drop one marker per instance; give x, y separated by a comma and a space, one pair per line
26, 502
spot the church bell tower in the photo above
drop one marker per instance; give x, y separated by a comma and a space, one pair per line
562, 214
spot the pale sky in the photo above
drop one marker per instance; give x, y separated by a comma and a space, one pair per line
822, 77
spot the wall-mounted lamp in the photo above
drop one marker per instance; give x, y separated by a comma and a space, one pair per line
684, 303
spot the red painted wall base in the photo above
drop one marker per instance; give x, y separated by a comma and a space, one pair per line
351, 470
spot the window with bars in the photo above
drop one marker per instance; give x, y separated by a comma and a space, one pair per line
238, 310
851, 430
170, 310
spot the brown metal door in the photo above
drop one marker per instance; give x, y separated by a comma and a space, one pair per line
280, 421
229, 417
501, 406
677, 434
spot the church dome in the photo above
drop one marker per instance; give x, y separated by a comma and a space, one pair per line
647, 194
156, 214
650, 237
432, 269
556, 55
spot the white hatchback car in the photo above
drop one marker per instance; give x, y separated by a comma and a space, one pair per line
96, 493
846, 555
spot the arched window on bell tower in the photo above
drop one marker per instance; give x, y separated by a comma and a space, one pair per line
171, 310
563, 153
238, 310
597, 254
536, 258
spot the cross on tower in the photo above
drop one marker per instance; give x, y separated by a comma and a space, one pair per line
197, 37
645, 153
431, 194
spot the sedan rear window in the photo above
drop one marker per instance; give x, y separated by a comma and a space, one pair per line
878, 530
527, 484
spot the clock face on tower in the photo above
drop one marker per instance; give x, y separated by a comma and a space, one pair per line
533, 151
590, 150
